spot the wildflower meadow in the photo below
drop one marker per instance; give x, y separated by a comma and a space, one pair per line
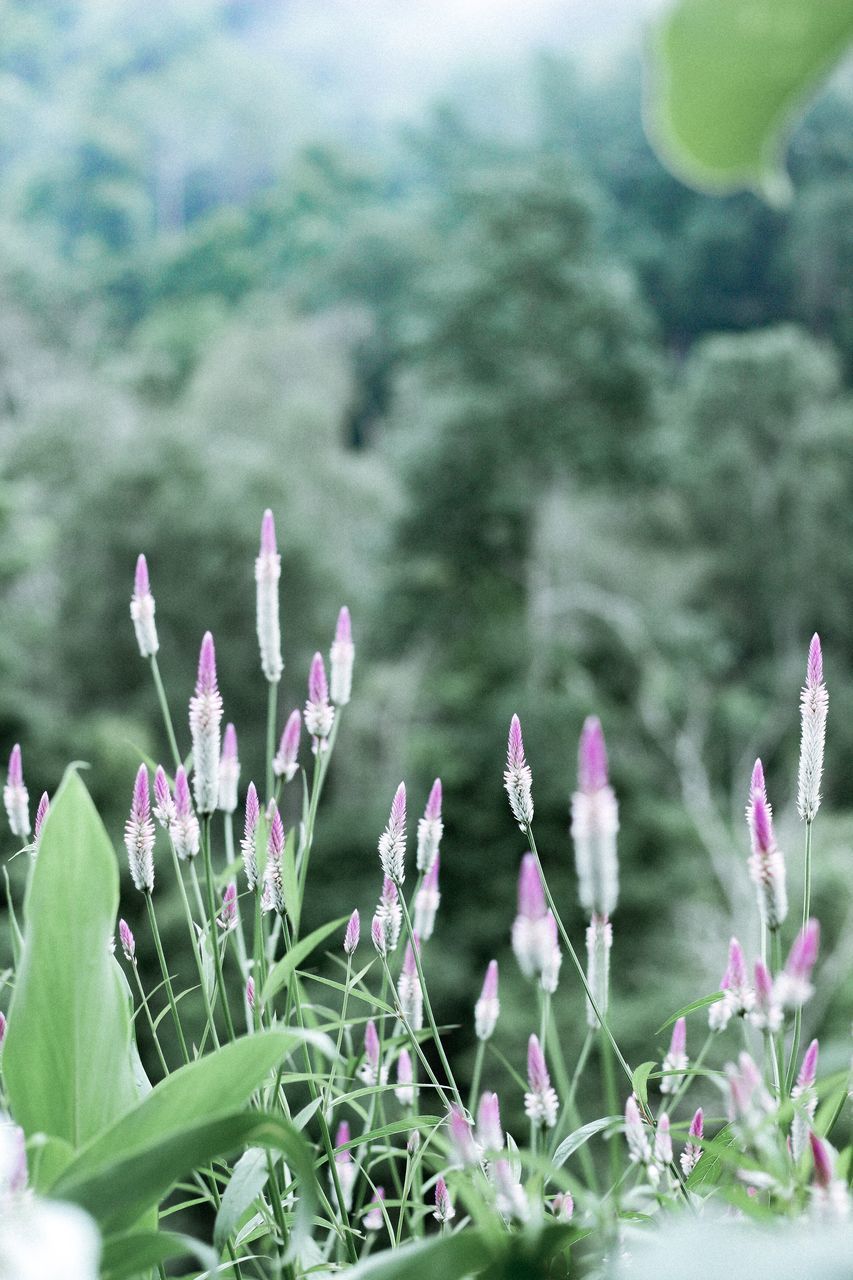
317, 1124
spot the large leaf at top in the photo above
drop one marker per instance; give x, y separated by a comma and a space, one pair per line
67, 1058
726, 79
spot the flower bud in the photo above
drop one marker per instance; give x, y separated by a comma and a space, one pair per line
267, 574
341, 660
142, 611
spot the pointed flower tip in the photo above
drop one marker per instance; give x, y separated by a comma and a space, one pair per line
433, 806
343, 630
206, 666
16, 770
814, 669
696, 1124
822, 1160
490, 982
515, 743
182, 791
318, 688
141, 794
592, 757
141, 583
679, 1037
757, 783
398, 805
269, 546
229, 743
352, 934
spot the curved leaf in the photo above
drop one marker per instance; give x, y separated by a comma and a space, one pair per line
580, 1136
280, 975
126, 1256
67, 1058
245, 1184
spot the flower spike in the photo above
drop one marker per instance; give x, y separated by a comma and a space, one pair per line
142, 611
518, 780
814, 703
139, 835
267, 574
205, 720
341, 660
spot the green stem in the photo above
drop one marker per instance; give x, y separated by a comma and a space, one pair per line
214, 941
194, 945
798, 1012
164, 707
475, 1079
151, 1025
427, 1004
166, 978
272, 702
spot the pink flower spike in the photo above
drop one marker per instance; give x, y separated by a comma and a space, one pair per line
343, 630
139, 835
15, 775
342, 1137
410, 968
822, 1161
808, 1071
531, 895
285, 760
462, 1138
273, 898
15, 796
537, 1072
763, 983
489, 1131
678, 1043
141, 583
540, 1102
3, 1028
518, 780
183, 805
253, 810
515, 745
736, 974
592, 757
41, 813
371, 1047
228, 914
206, 681
814, 666
696, 1125
444, 1210
433, 804
352, 934
318, 689
803, 954
490, 982
250, 992
373, 1218
229, 743
392, 842
269, 546
757, 783
377, 936
164, 805
229, 771
128, 942
404, 1090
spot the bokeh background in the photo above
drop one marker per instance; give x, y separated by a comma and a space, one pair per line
566, 436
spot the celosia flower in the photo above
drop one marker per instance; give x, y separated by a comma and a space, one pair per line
139, 835
692, 1152
540, 1102
531, 934
510, 1200
392, 842
767, 1013
369, 1070
663, 1141
461, 1138
490, 1135
128, 942
41, 814
377, 936
319, 714
285, 762
184, 829
814, 701
16, 797
562, 1206
352, 934
595, 824
205, 719
427, 900
675, 1060
552, 956
227, 919
250, 992
249, 843
267, 574
738, 995
142, 611
444, 1210
804, 1098
164, 805
766, 864
345, 1166
13, 1161
830, 1197
518, 780
229, 771
404, 1090
430, 829
748, 1100
487, 1009
341, 660
273, 899
409, 991
599, 943
373, 1218
793, 986
636, 1134
390, 914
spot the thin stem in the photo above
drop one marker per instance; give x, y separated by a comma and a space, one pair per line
272, 702
164, 707
475, 1079
324, 1106
214, 941
166, 978
427, 1005
798, 1012
194, 944
147, 1009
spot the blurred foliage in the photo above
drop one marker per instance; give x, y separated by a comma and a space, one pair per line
565, 435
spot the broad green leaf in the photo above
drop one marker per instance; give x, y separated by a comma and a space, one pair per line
690, 1008
640, 1081
281, 973
726, 79
450, 1257
217, 1085
244, 1186
117, 1193
580, 1136
67, 1058
126, 1256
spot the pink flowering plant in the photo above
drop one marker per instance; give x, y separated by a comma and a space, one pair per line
318, 1120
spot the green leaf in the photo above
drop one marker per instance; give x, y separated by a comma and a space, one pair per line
691, 1008
117, 1193
280, 975
290, 883
726, 79
67, 1058
217, 1085
126, 1256
580, 1136
245, 1185
640, 1081
450, 1257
